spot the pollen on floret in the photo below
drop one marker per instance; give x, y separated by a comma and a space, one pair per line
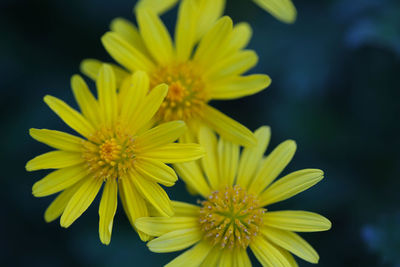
186, 91
231, 217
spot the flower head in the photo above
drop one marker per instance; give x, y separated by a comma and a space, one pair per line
118, 147
205, 62
237, 188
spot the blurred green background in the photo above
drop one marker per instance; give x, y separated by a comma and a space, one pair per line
335, 90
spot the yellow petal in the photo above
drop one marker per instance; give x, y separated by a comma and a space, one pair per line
241, 258
57, 207
291, 242
133, 203
149, 107
228, 128
130, 33
54, 160
185, 31
235, 64
209, 162
134, 94
156, 171
239, 86
59, 180
163, 134
251, 156
273, 166
192, 175
175, 240
155, 35
209, 11
70, 116
91, 67
213, 42
107, 209
125, 54
86, 101
80, 201
291, 185
157, 226
159, 6
289, 257
226, 259
228, 157
153, 193
267, 253
212, 258
107, 94
57, 139
297, 221
191, 257
240, 38
283, 10
185, 209
175, 153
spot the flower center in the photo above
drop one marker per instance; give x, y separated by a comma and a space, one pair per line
109, 153
186, 94
231, 217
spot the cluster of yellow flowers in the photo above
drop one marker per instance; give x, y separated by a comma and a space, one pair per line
151, 121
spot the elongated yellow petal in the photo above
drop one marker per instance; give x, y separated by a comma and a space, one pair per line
159, 6
273, 166
80, 201
209, 162
157, 226
70, 116
54, 160
125, 54
185, 31
57, 139
185, 209
267, 253
192, 175
57, 207
240, 38
298, 221
213, 42
209, 11
149, 107
133, 95
226, 259
251, 157
289, 257
228, 157
91, 67
212, 258
153, 193
175, 153
292, 242
156, 171
175, 240
59, 180
130, 33
241, 258
236, 64
160, 135
107, 209
133, 203
283, 10
155, 35
228, 128
86, 101
107, 94
191, 257
239, 86
291, 185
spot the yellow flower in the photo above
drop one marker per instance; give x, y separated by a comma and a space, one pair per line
118, 148
284, 10
206, 62
237, 188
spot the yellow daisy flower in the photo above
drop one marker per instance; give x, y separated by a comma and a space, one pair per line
205, 63
283, 10
117, 148
237, 188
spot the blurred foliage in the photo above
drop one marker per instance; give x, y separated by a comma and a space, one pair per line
335, 91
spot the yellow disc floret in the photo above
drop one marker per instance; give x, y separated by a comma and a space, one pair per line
186, 94
231, 217
109, 153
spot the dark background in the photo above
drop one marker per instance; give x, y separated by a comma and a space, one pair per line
335, 91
